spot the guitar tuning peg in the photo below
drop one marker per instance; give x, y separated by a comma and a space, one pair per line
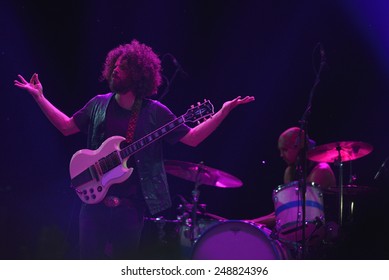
192, 106
198, 103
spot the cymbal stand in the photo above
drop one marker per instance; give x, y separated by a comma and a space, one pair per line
302, 171
339, 163
350, 204
194, 230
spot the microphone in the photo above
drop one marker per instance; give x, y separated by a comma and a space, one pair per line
179, 67
381, 169
170, 81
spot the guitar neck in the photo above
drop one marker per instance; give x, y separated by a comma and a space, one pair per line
151, 137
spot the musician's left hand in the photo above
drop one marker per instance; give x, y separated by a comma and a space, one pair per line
229, 105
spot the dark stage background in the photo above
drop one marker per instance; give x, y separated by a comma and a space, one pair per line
267, 49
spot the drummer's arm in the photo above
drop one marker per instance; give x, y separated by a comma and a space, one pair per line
288, 177
270, 216
268, 220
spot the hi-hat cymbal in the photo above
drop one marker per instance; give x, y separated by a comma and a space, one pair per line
339, 151
201, 174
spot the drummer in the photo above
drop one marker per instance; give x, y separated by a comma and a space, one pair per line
290, 144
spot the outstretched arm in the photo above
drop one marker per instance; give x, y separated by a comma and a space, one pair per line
61, 121
199, 133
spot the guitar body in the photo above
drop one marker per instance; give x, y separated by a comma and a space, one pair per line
94, 191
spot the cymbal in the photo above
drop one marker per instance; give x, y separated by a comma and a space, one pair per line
349, 190
201, 174
348, 150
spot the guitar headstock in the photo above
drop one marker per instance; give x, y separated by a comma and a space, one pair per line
201, 111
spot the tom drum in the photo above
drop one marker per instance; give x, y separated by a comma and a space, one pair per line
288, 206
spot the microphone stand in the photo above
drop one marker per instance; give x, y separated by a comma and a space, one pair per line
169, 82
302, 161
301, 169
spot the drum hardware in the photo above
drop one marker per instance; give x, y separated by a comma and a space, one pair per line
200, 175
161, 222
350, 193
332, 232
161, 230
383, 169
318, 222
339, 163
350, 190
188, 208
194, 229
274, 235
338, 153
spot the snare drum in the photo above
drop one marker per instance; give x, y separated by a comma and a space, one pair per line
238, 240
288, 209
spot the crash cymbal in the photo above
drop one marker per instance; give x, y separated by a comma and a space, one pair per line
348, 150
349, 190
201, 174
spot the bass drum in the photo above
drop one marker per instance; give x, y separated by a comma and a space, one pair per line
238, 240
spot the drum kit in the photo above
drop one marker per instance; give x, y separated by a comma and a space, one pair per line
239, 239
338, 153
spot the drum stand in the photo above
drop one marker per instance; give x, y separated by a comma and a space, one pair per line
302, 188
339, 163
194, 227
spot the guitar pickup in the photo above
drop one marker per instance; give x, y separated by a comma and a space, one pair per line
84, 177
94, 171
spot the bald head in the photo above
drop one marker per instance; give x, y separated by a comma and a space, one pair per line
290, 143
292, 138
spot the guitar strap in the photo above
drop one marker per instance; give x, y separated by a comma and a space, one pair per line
133, 118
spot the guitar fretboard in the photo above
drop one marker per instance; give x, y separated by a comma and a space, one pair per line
150, 138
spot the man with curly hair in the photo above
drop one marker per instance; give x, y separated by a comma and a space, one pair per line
133, 72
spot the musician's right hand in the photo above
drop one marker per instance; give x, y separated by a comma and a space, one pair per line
34, 87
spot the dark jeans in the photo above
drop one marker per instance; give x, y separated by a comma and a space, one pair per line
110, 233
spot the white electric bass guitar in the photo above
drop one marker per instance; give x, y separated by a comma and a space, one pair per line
93, 172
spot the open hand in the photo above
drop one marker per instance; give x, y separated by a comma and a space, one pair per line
34, 87
229, 105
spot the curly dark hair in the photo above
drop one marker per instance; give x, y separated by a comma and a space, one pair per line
144, 67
